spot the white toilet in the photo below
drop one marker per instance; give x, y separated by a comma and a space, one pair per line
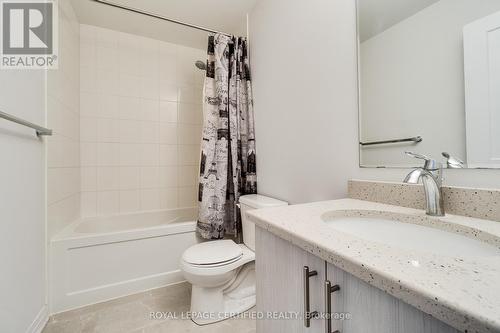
222, 272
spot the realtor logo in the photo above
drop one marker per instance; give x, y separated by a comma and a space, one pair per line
29, 34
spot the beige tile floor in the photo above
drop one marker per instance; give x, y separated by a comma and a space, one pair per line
132, 314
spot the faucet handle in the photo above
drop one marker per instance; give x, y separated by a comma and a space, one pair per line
416, 155
453, 162
430, 164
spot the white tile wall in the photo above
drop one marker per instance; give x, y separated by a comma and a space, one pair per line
140, 124
63, 152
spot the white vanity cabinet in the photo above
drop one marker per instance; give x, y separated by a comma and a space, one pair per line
280, 290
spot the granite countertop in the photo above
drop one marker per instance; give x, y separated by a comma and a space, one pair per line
463, 292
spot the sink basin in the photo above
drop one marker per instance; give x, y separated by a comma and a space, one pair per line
412, 237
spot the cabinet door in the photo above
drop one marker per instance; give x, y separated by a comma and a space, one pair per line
372, 310
280, 286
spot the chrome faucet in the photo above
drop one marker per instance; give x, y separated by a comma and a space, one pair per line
431, 175
453, 162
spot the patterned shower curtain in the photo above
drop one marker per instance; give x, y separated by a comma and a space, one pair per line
228, 165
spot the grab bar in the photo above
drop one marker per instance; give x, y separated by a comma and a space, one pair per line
415, 139
39, 130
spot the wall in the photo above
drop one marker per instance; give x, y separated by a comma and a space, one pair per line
421, 66
303, 59
377, 16
141, 117
63, 101
305, 98
23, 307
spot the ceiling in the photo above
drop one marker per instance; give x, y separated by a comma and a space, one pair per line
222, 15
376, 16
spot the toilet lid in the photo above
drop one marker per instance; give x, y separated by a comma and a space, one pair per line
214, 252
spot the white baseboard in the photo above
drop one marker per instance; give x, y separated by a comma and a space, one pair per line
40, 320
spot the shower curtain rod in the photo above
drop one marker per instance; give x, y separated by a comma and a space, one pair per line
138, 11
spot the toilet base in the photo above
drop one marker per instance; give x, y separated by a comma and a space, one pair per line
211, 305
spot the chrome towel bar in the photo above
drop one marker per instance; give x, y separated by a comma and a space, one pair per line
415, 139
39, 130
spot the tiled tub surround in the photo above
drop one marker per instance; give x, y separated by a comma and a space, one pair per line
140, 125
477, 203
462, 292
63, 116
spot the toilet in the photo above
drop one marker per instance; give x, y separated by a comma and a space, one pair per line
222, 273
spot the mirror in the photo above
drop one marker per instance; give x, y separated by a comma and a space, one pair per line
429, 82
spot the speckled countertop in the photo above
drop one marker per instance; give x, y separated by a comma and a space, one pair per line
463, 292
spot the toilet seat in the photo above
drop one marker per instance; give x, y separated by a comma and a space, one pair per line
246, 256
218, 264
215, 253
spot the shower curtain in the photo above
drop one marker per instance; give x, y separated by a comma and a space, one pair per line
227, 166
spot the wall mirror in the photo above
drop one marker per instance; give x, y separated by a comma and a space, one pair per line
429, 81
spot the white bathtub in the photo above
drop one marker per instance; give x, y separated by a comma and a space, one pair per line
97, 259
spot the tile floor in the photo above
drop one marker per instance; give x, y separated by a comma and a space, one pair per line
131, 314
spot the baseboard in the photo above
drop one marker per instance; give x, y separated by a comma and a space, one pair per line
40, 321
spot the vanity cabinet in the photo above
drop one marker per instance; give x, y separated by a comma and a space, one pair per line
280, 291
280, 285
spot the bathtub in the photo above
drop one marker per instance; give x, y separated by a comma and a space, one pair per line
97, 259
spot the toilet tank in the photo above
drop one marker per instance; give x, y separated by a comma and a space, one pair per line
254, 201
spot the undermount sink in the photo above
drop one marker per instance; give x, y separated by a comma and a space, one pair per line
411, 236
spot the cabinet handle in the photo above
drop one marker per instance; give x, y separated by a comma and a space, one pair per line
329, 290
307, 314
